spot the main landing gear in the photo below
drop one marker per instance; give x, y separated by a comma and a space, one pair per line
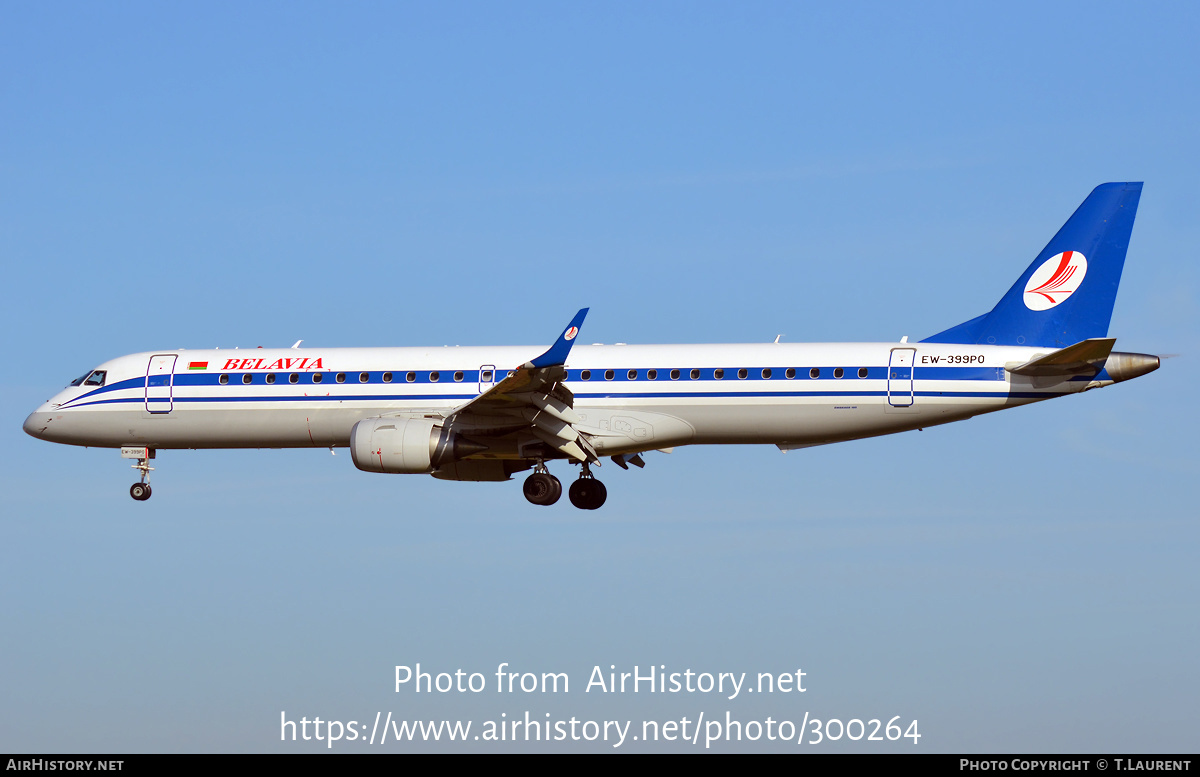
586, 493
542, 488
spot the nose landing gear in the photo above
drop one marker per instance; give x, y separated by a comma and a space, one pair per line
141, 490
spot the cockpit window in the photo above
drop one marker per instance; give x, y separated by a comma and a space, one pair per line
93, 378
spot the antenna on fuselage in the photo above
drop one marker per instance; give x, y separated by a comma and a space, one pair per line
296, 344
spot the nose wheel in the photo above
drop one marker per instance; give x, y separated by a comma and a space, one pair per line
141, 490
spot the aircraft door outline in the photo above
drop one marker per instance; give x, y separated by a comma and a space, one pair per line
160, 383
485, 383
900, 377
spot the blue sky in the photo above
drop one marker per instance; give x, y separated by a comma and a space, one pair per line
393, 174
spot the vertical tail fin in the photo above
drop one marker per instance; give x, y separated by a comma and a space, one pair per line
1067, 294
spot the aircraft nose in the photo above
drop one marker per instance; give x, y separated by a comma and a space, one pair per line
36, 424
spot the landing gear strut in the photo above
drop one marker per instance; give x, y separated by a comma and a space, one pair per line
542, 488
587, 493
141, 490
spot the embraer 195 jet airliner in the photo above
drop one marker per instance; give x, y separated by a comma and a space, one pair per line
486, 413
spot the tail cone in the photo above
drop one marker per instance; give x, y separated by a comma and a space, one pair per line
1126, 366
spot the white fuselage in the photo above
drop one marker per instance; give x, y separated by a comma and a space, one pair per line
628, 397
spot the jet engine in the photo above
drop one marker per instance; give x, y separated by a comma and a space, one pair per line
408, 446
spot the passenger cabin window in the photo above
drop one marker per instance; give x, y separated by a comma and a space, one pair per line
317, 377
246, 378
694, 374
363, 377
838, 372
651, 374
458, 376
766, 374
387, 377
585, 375
223, 380
814, 373
718, 374
862, 372
270, 377
434, 377
411, 377
609, 374
790, 373
674, 374
487, 376
293, 378
341, 377
742, 373
632, 375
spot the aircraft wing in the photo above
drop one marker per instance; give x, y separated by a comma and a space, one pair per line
533, 397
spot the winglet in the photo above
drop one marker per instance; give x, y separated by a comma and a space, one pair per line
557, 353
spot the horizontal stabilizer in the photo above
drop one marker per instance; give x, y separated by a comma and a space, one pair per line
1084, 356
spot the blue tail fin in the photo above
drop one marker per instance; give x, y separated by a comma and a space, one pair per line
1067, 294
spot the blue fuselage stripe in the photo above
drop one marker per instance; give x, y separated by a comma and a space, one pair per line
630, 395
469, 382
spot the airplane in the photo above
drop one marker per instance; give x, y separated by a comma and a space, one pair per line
487, 413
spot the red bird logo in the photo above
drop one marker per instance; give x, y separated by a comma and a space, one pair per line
1055, 281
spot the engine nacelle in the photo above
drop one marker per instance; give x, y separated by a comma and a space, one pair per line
408, 446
